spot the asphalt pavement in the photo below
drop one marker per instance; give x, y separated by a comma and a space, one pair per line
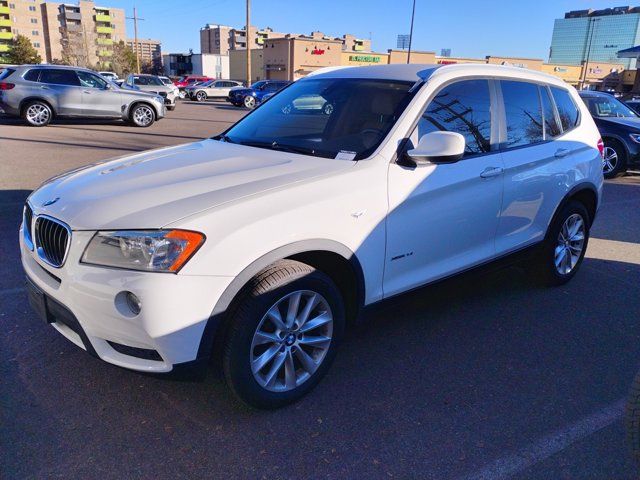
486, 376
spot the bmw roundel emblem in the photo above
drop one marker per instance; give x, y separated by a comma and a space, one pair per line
50, 202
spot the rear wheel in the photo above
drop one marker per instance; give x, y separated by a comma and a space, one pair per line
142, 115
37, 114
614, 162
283, 335
249, 101
564, 247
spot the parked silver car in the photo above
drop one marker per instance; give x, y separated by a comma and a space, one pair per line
38, 93
211, 89
152, 84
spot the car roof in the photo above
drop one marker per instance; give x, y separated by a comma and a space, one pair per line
48, 66
414, 72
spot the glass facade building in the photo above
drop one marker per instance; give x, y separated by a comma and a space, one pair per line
608, 31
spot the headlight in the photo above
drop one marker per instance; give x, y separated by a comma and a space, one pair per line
635, 137
147, 250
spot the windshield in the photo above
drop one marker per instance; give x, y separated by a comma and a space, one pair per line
165, 80
608, 107
345, 118
182, 79
147, 81
205, 84
258, 85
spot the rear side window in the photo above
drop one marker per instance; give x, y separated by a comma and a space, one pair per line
523, 113
463, 107
59, 77
32, 75
569, 113
5, 72
551, 126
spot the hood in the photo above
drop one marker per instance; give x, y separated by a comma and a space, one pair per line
159, 187
240, 90
154, 88
136, 93
630, 122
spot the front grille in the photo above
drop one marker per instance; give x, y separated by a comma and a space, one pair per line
26, 225
162, 94
51, 240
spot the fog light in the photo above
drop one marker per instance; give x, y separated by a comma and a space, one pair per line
134, 303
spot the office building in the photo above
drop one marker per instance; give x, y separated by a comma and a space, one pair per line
206, 64
595, 35
220, 39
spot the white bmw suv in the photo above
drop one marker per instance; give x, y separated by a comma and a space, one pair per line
264, 242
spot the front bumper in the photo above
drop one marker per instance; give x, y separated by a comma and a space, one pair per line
82, 303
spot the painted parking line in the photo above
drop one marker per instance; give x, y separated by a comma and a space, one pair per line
507, 467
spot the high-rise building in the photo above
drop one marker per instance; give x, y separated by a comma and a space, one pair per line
83, 32
596, 35
219, 39
150, 51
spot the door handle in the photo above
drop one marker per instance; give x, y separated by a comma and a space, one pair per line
44, 87
86, 91
491, 172
561, 152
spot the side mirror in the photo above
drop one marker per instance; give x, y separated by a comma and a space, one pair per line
438, 147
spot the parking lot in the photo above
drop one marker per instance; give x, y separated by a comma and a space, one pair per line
487, 376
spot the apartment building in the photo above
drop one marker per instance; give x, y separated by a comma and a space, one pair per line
82, 31
220, 39
21, 17
150, 51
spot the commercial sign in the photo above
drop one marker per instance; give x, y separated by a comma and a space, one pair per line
364, 58
317, 51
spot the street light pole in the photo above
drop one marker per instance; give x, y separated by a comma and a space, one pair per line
592, 24
247, 35
413, 12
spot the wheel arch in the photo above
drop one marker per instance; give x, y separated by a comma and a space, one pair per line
331, 257
25, 101
133, 105
617, 138
586, 193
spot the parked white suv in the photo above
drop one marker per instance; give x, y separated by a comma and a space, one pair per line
265, 241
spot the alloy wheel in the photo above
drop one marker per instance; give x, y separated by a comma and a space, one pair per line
38, 114
291, 341
249, 101
609, 160
143, 115
201, 96
570, 244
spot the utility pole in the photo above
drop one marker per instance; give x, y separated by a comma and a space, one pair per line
135, 37
247, 36
592, 23
413, 12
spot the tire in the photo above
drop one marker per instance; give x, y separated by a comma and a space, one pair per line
615, 159
37, 114
286, 351
553, 266
327, 109
249, 101
182, 94
142, 115
632, 419
201, 96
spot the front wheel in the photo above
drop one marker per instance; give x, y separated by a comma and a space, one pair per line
142, 115
182, 94
249, 101
614, 161
283, 335
201, 96
565, 245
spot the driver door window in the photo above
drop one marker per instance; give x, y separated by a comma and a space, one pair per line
91, 81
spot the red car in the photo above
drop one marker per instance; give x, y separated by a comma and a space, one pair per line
187, 81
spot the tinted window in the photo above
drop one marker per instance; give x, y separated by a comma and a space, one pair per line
59, 77
569, 113
551, 127
523, 113
607, 106
32, 75
90, 80
463, 107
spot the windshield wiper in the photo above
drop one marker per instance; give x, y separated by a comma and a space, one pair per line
281, 148
224, 138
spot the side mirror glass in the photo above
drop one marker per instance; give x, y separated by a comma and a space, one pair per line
438, 147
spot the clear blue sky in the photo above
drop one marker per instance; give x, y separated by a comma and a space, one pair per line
473, 28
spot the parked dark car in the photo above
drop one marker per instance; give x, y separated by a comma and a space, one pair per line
619, 126
252, 96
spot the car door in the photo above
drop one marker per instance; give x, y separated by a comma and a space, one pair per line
443, 218
99, 98
216, 89
63, 89
532, 156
